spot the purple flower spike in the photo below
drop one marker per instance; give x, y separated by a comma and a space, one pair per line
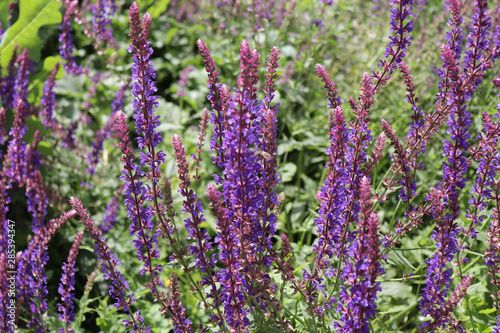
67, 286
456, 89
22, 82
179, 320
66, 39
109, 265
192, 206
16, 151
144, 89
31, 279
140, 217
103, 12
109, 219
218, 117
400, 40
48, 99
8, 86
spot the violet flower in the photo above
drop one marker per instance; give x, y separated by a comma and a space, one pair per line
103, 13
217, 117
141, 224
8, 88
361, 271
487, 155
400, 40
16, 150
192, 205
22, 82
460, 88
229, 277
66, 39
48, 99
109, 219
31, 281
143, 89
243, 185
109, 263
333, 194
35, 189
67, 286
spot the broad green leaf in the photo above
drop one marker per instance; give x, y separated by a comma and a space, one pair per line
24, 32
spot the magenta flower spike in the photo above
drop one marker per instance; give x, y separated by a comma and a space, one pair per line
456, 88
103, 13
109, 266
144, 89
141, 224
357, 301
67, 285
218, 116
31, 280
48, 100
66, 39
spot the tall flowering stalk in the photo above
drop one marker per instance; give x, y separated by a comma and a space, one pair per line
31, 280
67, 286
244, 144
192, 205
400, 39
103, 12
48, 100
35, 189
447, 207
15, 161
361, 271
66, 39
218, 100
141, 223
332, 196
109, 263
144, 89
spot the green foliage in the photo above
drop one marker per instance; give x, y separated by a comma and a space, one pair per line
349, 44
24, 32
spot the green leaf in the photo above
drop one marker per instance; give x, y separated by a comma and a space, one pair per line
160, 6
287, 171
24, 33
298, 269
395, 257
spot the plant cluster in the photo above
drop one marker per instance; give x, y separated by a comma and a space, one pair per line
228, 249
